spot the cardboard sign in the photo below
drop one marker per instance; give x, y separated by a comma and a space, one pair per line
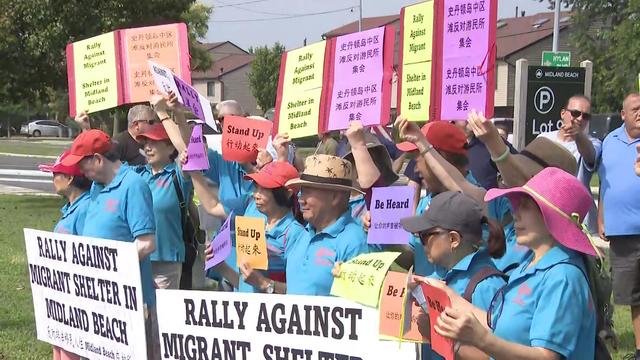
251, 242
163, 79
242, 137
111, 69
298, 105
221, 244
87, 294
388, 206
393, 294
357, 79
93, 73
416, 57
165, 44
437, 301
361, 277
189, 98
197, 158
467, 58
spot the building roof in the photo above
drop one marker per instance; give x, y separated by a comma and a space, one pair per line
367, 23
224, 66
515, 34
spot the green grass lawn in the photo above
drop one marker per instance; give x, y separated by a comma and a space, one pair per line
17, 328
33, 147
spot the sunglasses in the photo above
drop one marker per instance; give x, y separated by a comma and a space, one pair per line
495, 307
577, 113
425, 236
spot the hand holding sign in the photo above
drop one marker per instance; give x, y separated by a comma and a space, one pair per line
196, 152
220, 246
242, 137
437, 302
251, 242
388, 206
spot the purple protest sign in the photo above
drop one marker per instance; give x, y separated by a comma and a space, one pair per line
190, 98
221, 244
467, 58
197, 158
358, 72
388, 206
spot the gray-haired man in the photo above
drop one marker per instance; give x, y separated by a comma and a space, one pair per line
139, 119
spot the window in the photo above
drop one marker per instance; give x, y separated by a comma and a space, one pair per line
211, 89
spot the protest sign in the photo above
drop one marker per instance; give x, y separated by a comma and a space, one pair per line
242, 137
466, 58
388, 206
361, 68
416, 57
165, 44
394, 292
437, 301
87, 296
163, 79
221, 244
251, 242
220, 325
361, 277
197, 158
299, 110
189, 97
93, 73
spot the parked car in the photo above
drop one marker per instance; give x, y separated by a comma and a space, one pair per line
601, 125
47, 128
3, 129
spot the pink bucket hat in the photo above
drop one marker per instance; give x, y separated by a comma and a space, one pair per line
564, 203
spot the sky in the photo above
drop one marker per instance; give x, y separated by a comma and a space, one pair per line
229, 19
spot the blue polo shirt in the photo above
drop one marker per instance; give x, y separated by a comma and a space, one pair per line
229, 176
123, 210
619, 185
166, 210
73, 215
549, 305
311, 258
280, 238
358, 207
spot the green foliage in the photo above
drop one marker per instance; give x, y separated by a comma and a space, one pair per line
263, 77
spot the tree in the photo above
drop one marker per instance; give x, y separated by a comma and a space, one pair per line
263, 77
607, 32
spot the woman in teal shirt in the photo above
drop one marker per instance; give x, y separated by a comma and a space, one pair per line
162, 174
69, 183
546, 310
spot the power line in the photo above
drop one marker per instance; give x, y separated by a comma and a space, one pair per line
240, 3
282, 17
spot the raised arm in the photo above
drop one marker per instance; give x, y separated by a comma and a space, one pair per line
178, 131
368, 172
583, 143
207, 195
82, 119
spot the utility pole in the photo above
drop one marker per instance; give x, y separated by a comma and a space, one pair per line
360, 17
556, 25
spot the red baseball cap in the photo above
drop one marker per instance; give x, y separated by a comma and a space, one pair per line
443, 136
86, 144
58, 168
274, 175
156, 132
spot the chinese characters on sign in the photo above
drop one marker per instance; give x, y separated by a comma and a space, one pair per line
388, 206
221, 244
394, 291
357, 76
467, 56
251, 242
243, 137
414, 90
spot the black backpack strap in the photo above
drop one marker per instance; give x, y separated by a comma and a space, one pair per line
485, 272
183, 203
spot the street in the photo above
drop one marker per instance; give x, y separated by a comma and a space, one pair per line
20, 175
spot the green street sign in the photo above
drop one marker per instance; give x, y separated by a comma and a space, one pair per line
558, 58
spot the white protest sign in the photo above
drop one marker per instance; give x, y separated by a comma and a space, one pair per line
87, 296
219, 325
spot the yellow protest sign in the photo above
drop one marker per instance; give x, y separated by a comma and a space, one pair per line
361, 277
251, 242
417, 45
95, 74
300, 91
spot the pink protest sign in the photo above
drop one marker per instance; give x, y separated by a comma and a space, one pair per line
196, 152
221, 244
388, 206
190, 98
358, 72
467, 58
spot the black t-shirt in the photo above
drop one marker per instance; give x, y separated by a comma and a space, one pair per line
128, 149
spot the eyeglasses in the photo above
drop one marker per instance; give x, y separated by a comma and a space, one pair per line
496, 306
577, 113
425, 236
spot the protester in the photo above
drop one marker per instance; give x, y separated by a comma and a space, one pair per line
121, 208
619, 209
126, 147
332, 234
545, 311
587, 150
165, 180
327, 145
69, 183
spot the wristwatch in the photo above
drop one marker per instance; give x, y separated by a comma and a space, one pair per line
271, 287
